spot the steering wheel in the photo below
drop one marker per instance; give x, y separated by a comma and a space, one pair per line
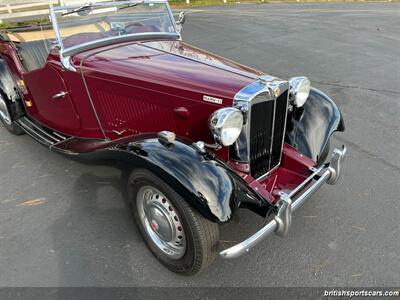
133, 26
121, 30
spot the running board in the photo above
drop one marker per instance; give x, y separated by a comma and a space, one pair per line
41, 134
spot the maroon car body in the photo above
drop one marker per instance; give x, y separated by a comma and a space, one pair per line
123, 100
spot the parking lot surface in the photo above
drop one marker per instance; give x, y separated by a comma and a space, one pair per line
65, 224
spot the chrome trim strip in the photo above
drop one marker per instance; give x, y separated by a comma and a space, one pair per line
54, 23
284, 126
272, 136
59, 143
33, 134
59, 135
120, 39
26, 120
281, 222
73, 6
171, 15
283, 87
90, 96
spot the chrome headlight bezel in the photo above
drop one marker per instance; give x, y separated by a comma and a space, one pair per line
299, 90
226, 125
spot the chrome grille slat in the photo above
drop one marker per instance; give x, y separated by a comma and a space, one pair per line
271, 120
272, 135
279, 130
261, 129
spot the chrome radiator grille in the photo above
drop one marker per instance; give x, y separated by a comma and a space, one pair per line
267, 126
264, 104
262, 115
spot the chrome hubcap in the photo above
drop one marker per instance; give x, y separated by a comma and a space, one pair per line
161, 222
4, 114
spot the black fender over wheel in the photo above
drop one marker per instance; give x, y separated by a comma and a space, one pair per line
6, 116
307, 133
178, 236
11, 106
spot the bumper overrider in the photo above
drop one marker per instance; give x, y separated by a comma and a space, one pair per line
288, 203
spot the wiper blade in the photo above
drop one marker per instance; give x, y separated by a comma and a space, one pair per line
130, 5
77, 10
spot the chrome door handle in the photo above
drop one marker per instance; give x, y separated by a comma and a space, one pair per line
61, 94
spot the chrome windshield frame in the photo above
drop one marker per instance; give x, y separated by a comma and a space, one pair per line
66, 52
123, 38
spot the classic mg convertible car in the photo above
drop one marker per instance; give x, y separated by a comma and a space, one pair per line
203, 136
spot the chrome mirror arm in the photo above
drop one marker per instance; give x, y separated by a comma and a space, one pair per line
181, 20
178, 27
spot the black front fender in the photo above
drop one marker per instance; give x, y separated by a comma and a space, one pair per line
207, 183
311, 126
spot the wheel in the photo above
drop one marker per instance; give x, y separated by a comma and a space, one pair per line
5, 117
324, 154
179, 237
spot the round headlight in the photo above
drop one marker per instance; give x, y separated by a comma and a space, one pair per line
226, 125
299, 90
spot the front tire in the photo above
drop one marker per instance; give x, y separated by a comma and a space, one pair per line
178, 236
5, 117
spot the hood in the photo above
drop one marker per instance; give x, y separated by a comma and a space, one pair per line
175, 66
139, 88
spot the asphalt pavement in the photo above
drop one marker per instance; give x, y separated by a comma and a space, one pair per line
65, 224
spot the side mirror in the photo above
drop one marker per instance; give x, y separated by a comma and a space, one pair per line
181, 20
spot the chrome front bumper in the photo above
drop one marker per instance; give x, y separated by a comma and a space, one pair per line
288, 203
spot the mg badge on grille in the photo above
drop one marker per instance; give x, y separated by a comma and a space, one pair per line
277, 91
212, 99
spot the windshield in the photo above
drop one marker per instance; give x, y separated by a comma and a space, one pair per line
82, 24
